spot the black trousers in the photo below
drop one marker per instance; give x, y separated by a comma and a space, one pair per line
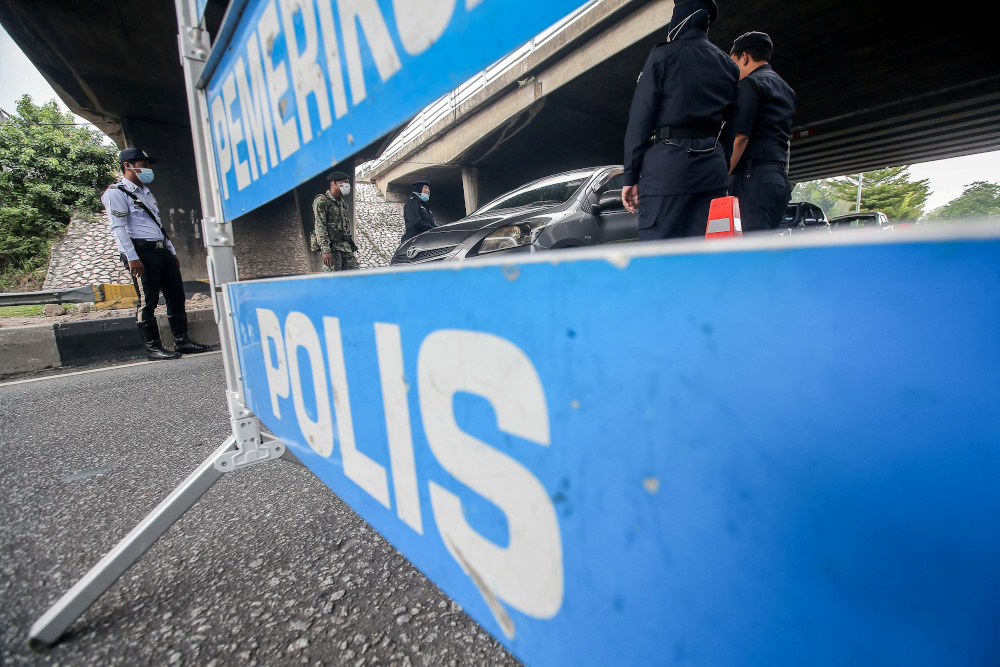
161, 273
675, 216
763, 193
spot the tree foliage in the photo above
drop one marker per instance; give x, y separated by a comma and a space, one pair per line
822, 194
887, 190
979, 200
49, 168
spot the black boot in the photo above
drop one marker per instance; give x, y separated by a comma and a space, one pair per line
183, 344
151, 337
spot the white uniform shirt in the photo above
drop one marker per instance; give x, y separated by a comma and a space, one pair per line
129, 220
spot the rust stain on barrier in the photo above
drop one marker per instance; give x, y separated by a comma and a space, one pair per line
511, 273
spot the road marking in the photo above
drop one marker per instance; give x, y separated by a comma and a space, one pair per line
95, 370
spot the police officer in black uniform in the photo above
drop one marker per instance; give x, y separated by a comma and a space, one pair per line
417, 216
675, 163
761, 129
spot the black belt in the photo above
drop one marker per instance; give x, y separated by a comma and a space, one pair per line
685, 132
747, 164
147, 244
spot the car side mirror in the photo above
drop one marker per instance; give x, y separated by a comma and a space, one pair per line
610, 201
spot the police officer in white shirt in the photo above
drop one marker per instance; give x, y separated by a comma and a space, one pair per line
148, 253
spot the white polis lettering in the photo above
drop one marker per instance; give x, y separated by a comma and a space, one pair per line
300, 332
307, 75
271, 340
528, 573
235, 132
471, 4
360, 469
421, 22
368, 14
221, 134
397, 424
277, 83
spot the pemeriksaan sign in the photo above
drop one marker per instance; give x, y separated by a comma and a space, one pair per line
305, 84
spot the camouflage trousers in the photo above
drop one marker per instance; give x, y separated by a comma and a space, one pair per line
342, 261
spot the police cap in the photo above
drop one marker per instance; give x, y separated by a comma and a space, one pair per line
751, 39
418, 186
711, 6
133, 154
335, 176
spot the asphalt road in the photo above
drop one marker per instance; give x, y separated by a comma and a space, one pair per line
269, 567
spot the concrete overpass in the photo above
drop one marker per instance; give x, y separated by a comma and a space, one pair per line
879, 84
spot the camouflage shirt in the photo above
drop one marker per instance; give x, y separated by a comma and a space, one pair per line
333, 223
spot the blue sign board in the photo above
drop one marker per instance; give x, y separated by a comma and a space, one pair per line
305, 84
747, 457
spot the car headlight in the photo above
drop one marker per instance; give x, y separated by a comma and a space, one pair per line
513, 236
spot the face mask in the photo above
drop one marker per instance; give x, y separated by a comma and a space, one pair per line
345, 188
145, 175
424, 197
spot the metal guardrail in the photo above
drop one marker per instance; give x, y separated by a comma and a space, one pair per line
85, 294
445, 105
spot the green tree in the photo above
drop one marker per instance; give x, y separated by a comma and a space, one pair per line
887, 190
822, 194
49, 168
979, 200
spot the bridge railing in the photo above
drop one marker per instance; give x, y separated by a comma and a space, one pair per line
445, 105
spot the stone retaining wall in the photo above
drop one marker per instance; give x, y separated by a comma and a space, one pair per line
378, 226
87, 255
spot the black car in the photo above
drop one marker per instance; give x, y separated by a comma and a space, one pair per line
803, 217
873, 221
576, 208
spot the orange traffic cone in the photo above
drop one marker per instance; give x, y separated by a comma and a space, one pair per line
724, 219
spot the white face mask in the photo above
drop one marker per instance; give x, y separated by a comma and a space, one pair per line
345, 188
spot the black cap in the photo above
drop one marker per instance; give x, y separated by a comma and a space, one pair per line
713, 8
419, 185
133, 154
747, 40
337, 176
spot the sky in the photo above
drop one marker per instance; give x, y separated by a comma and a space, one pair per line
948, 177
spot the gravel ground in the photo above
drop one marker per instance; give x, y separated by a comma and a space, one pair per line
197, 302
269, 568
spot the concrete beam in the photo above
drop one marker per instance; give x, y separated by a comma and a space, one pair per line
562, 61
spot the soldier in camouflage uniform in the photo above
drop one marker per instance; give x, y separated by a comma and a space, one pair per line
332, 234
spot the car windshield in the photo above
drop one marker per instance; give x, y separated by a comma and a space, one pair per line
549, 192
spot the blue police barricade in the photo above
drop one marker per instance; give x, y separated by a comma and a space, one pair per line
647, 455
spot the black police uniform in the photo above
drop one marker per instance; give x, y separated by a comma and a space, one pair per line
765, 111
686, 89
417, 214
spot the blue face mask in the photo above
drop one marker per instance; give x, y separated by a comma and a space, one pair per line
424, 197
145, 175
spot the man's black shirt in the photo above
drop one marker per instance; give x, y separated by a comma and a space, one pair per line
686, 83
765, 109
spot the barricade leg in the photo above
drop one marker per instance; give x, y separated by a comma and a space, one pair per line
51, 626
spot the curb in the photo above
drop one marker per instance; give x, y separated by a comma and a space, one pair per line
58, 345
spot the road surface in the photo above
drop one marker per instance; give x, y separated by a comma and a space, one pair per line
269, 568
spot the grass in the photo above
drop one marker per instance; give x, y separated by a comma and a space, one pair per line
20, 311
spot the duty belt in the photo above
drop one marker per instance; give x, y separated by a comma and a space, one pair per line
147, 244
666, 133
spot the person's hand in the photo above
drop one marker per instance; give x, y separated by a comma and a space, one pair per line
178, 260
328, 258
630, 197
136, 268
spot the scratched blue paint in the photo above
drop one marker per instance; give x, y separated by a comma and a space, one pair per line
478, 33
782, 457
